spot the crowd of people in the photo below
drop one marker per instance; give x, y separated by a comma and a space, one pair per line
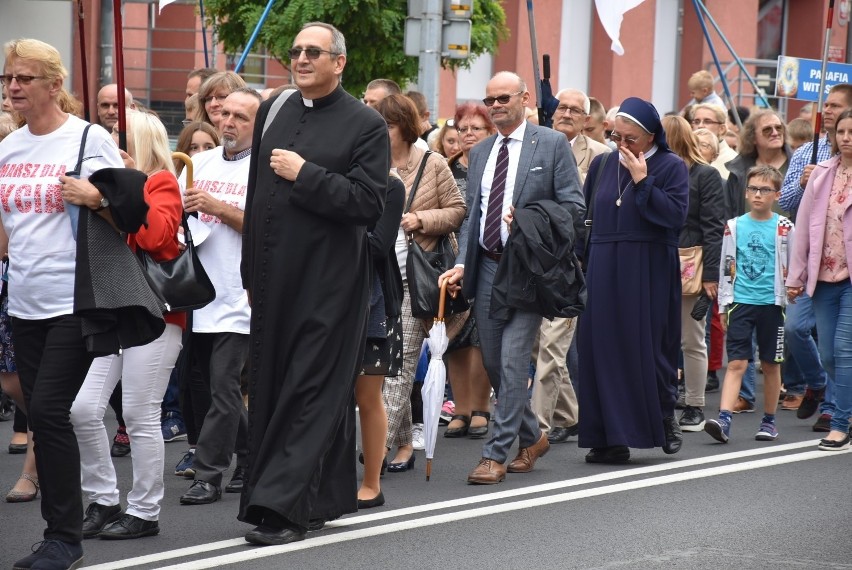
681, 228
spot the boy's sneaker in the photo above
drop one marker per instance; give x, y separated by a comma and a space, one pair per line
719, 430
767, 432
810, 403
692, 419
184, 466
448, 410
823, 423
417, 440
173, 427
53, 554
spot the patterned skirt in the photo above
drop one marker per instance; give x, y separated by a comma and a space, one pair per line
7, 349
383, 357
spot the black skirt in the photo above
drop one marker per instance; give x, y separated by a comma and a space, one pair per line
383, 357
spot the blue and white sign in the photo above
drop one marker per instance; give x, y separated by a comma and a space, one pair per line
799, 78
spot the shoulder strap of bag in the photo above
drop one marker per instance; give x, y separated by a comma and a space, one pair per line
591, 205
275, 107
79, 166
417, 180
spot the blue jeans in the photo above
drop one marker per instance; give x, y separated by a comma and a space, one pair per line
833, 309
803, 368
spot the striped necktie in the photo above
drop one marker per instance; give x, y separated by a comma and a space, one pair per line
494, 217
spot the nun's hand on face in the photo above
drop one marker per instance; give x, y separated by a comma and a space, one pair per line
636, 165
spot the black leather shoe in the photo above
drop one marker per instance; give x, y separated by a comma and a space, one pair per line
459, 431
674, 436
561, 434
376, 501
129, 526
201, 493
236, 484
316, 524
479, 432
404, 466
97, 517
614, 454
268, 536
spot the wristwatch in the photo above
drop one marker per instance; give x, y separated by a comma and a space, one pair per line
104, 203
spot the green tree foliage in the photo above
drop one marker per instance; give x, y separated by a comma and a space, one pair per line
374, 31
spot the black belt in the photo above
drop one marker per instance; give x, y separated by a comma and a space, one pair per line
494, 256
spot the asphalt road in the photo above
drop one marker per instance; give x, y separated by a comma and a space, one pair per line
745, 504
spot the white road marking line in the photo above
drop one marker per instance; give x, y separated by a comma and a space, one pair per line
453, 503
264, 552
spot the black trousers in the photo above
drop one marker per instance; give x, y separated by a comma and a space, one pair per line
221, 357
52, 364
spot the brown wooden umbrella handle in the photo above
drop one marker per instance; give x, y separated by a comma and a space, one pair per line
442, 301
188, 162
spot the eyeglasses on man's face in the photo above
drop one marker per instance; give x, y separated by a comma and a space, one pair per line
767, 131
760, 190
574, 111
310, 52
502, 99
21, 79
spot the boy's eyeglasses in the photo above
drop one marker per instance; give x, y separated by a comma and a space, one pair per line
760, 190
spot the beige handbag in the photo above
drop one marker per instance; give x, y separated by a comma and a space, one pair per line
691, 269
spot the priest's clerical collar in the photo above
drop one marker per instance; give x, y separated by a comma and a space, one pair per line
326, 100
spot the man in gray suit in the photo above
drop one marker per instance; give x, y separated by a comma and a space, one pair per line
523, 163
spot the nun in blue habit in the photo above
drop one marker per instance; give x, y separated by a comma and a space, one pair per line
629, 334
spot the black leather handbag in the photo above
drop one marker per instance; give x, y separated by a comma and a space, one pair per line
182, 283
422, 269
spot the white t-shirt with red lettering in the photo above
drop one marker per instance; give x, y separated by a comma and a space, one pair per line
42, 249
222, 250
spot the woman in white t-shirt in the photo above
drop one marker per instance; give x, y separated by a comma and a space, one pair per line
51, 354
143, 370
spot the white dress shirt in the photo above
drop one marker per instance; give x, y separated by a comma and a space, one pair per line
516, 142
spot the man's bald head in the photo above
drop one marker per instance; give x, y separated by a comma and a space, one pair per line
108, 105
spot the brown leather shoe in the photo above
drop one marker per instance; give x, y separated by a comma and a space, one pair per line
743, 406
792, 401
488, 472
527, 456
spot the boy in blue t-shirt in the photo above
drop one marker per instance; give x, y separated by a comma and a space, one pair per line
755, 258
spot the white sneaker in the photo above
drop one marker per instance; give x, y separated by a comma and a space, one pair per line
417, 437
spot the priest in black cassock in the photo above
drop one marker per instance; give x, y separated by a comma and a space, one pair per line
317, 179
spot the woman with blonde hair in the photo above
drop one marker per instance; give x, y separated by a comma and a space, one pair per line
143, 370
51, 353
212, 94
702, 231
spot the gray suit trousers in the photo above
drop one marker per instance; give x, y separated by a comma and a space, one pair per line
506, 351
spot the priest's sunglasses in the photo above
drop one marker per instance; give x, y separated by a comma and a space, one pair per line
311, 52
760, 190
21, 79
502, 99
